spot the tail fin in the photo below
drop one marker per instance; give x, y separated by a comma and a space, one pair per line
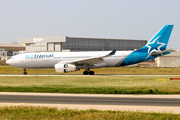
154, 48
160, 40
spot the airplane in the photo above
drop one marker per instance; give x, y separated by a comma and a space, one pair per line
64, 62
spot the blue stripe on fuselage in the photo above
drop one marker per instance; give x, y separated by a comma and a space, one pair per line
137, 57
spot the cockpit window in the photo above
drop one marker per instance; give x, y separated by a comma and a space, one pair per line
12, 57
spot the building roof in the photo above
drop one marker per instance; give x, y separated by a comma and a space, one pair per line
105, 38
12, 46
43, 39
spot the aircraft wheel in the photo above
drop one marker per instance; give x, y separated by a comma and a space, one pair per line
91, 72
85, 73
25, 73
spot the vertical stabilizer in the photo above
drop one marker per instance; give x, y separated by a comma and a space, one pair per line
160, 40
154, 48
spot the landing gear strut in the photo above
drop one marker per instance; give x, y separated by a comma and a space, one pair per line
88, 72
25, 73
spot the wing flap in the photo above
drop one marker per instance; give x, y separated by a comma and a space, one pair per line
89, 61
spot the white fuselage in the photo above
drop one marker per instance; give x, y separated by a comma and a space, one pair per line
49, 59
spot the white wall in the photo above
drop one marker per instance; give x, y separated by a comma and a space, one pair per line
171, 60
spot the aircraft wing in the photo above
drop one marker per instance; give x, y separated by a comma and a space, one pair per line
91, 60
154, 54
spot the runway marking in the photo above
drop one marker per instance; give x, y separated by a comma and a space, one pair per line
12, 105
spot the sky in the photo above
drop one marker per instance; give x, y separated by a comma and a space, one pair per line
119, 19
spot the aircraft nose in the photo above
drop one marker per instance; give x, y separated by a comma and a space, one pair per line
8, 62
13, 62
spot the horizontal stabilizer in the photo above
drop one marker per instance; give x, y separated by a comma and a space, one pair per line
154, 54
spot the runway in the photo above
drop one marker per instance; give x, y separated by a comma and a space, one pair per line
158, 103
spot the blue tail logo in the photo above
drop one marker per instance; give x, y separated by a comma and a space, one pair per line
155, 43
154, 48
159, 42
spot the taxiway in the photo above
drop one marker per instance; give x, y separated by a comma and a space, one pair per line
146, 103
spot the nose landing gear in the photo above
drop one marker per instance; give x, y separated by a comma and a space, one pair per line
25, 73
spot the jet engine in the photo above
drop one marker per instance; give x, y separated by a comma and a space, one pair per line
63, 68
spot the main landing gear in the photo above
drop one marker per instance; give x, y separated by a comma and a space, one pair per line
88, 72
25, 73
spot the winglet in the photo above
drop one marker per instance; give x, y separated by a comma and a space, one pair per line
113, 52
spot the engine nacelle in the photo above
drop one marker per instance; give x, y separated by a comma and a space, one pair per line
63, 68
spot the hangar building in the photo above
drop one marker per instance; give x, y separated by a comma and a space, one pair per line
170, 60
10, 49
34, 44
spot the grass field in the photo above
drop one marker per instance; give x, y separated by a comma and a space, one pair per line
90, 84
5, 69
44, 113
